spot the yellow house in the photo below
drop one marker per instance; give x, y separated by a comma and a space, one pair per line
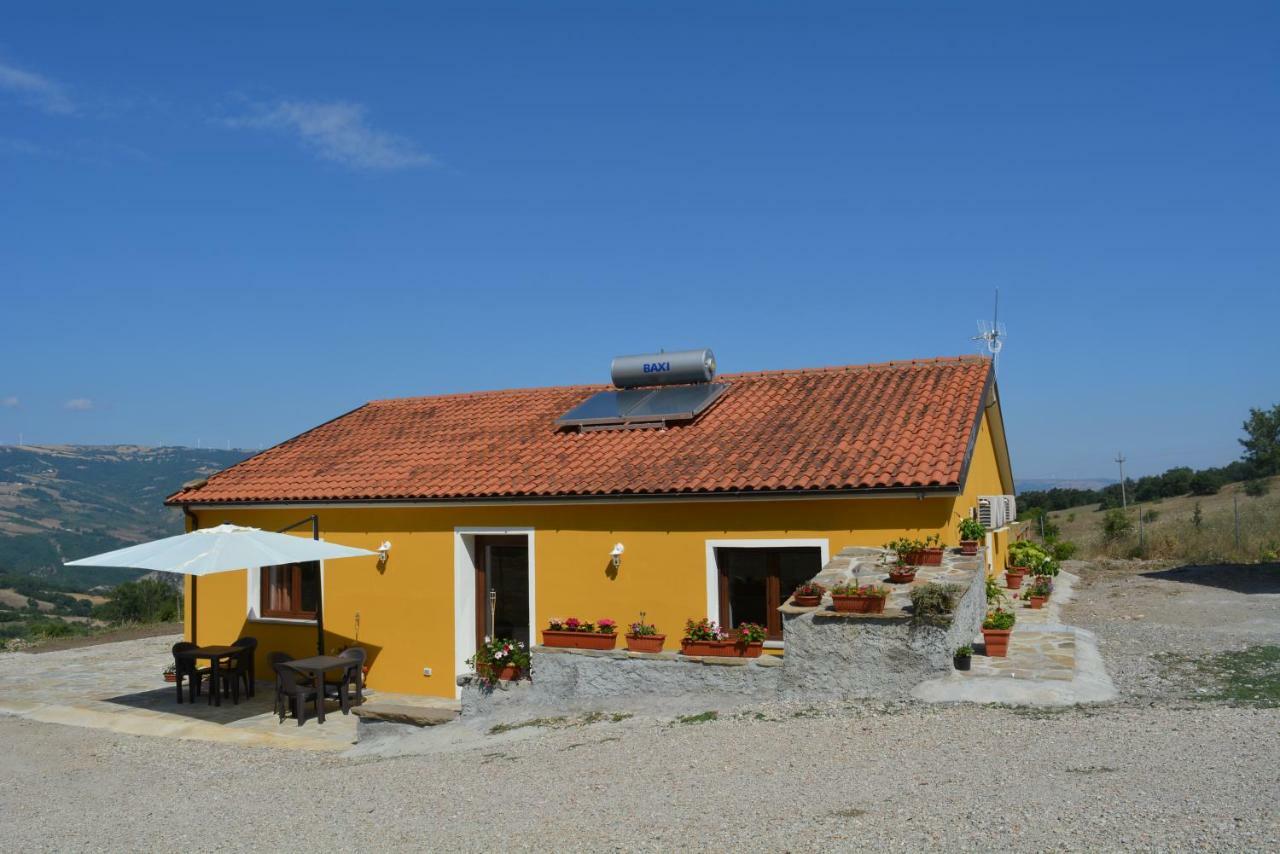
504, 509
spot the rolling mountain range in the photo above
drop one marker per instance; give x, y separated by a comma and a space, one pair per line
60, 502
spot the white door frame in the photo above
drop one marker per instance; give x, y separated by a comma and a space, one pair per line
713, 571
464, 590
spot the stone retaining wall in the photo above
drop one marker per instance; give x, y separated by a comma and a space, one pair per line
828, 654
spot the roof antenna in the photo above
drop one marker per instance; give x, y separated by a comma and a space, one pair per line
991, 335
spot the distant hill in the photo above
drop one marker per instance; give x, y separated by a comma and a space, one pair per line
1044, 483
60, 502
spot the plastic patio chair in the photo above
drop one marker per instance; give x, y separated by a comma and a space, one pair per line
292, 688
185, 667
339, 685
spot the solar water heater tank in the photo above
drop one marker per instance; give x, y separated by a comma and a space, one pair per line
649, 369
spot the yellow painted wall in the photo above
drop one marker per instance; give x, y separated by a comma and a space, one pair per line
406, 607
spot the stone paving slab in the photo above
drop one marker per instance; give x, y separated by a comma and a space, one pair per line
1032, 655
119, 687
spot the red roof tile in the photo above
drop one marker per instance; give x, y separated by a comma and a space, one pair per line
894, 425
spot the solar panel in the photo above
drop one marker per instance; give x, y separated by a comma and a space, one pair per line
642, 406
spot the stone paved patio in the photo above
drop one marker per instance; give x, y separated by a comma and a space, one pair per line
1039, 648
118, 686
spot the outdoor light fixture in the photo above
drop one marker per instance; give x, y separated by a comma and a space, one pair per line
616, 554
383, 549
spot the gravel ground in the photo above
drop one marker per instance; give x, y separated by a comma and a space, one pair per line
1158, 770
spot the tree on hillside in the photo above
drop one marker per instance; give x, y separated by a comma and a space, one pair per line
144, 601
1262, 447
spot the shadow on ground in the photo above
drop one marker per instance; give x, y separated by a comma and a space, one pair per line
1239, 578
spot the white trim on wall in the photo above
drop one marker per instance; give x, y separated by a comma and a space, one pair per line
464, 590
713, 571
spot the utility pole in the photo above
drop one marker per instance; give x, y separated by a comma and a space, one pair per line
1124, 501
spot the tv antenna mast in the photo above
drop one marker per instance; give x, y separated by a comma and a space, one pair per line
991, 334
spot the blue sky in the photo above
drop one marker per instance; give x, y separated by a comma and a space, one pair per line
231, 224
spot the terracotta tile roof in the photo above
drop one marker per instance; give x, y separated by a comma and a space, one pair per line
893, 425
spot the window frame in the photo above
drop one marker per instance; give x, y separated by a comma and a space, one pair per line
713, 574
295, 592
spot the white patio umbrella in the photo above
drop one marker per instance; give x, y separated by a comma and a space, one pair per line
224, 548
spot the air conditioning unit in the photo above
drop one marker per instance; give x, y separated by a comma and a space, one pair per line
992, 511
1010, 509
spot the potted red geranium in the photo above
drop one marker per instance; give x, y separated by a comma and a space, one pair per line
573, 633
808, 595
644, 637
855, 598
749, 639
500, 659
703, 637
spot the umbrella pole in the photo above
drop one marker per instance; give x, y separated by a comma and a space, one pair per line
194, 579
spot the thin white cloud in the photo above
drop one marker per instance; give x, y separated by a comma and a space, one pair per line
336, 131
37, 90
78, 404
9, 402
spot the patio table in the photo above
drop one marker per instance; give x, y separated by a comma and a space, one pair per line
316, 666
215, 654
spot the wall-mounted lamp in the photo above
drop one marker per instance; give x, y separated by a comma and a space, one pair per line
382, 551
616, 555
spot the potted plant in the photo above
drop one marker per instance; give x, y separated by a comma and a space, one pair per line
963, 657
573, 633
1038, 593
996, 629
171, 673
644, 637
1013, 576
703, 637
909, 553
854, 598
808, 595
1025, 556
931, 554
971, 532
500, 659
749, 639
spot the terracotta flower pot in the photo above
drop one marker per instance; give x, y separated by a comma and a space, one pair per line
1038, 601
645, 643
806, 601
505, 673
171, 677
724, 648
915, 558
1013, 578
997, 641
962, 662
579, 640
902, 576
969, 547
931, 557
859, 604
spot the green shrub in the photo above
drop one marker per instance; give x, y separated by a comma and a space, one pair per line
1064, 550
145, 601
1150, 515
1257, 487
933, 601
1116, 525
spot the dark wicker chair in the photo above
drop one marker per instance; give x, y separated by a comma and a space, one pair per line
185, 668
339, 686
292, 689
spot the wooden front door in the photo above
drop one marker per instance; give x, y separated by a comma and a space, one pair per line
502, 588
